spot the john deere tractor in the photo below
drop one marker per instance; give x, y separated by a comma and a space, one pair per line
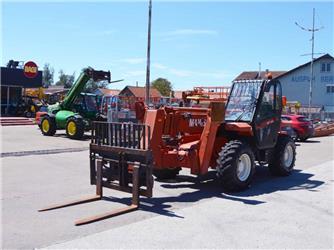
76, 112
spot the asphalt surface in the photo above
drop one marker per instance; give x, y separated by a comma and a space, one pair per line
290, 212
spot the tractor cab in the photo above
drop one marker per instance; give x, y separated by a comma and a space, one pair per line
86, 104
257, 106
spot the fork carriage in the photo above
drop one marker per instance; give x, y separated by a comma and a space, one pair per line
120, 146
120, 159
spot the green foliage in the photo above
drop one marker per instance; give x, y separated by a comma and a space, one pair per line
91, 86
65, 80
163, 85
48, 73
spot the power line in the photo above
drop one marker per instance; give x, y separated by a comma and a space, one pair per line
312, 58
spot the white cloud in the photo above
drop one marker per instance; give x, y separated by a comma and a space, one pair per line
136, 73
135, 60
179, 72
216, 74
159, 66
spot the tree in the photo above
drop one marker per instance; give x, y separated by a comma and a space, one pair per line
163, 85
65, 80
48, 73
91, 85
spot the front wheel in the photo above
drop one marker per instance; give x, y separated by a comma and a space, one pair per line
284, 157
48, 126
75, 128
236, 165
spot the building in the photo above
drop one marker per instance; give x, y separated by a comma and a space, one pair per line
106, 92
15, 78
254, 75
296, 84
131, 94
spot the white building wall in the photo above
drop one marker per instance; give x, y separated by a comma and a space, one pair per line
295, 85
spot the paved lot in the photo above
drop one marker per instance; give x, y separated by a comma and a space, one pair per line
292, 212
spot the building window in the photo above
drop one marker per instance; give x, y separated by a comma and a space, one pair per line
325, 67
330, 88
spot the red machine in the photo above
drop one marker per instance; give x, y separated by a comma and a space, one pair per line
199, 138
230, 138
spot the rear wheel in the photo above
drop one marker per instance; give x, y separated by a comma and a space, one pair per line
236, 165
284, 157
167, 173
48, 126
75, 128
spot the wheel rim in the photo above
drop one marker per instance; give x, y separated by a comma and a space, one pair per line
288, 156
244, 167
71, 128
45, 126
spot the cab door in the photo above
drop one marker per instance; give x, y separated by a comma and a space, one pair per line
268, 115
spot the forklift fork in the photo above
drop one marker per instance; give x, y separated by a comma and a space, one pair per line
99, 195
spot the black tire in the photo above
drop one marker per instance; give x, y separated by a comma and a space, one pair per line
28, 114
280, 165
303, 139
228, 164
79, 131
48, 126
167, 173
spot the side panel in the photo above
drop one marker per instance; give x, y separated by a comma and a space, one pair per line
61, 118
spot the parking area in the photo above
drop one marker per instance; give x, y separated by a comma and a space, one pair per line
289, 212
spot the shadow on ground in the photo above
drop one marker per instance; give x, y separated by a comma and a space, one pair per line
86, 137
197, 190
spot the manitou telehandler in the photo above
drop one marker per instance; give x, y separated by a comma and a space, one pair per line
229, 138
76, 112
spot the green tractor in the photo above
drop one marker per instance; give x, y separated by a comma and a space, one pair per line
77, 111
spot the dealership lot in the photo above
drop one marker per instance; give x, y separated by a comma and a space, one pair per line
291, 212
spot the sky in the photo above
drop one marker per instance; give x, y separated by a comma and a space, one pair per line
197, 43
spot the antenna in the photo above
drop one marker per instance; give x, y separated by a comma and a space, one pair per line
312, 58
147, 92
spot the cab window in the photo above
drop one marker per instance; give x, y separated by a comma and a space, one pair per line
267, 107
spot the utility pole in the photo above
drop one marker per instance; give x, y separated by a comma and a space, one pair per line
147, 87
312, 59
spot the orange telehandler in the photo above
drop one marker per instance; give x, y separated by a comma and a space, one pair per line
229, 138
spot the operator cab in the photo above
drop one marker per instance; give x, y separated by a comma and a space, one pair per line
257, 103
86, 103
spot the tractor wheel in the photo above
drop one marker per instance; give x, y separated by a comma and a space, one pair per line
167, 173
236, 165
284, 157
48, 126
75, 128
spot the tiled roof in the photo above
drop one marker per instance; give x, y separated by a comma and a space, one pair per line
140, 91
253, 75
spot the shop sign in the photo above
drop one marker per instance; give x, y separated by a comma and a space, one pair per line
30, 69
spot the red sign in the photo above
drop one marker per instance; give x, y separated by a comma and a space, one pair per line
30, 69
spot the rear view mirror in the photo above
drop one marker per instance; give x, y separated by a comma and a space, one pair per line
284, 101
